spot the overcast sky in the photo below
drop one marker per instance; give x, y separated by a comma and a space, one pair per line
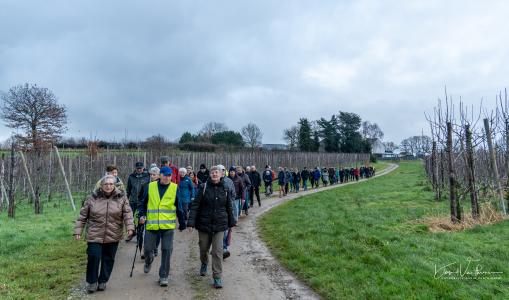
170, 66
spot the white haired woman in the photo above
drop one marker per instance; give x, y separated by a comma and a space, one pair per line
105, 213
185, 192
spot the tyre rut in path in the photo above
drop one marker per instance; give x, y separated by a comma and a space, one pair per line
251, 272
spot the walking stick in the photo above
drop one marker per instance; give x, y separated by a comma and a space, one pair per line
136, 251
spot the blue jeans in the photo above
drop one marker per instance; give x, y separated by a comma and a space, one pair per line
305, 184
296, 187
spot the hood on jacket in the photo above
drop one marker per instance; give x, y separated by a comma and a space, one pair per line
117, 193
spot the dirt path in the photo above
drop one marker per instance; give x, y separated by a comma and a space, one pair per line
251, 272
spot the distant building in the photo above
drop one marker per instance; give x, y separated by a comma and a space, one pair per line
274, 147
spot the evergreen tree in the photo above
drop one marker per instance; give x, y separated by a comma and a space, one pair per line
305, 139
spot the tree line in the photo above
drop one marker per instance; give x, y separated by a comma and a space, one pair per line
343, 132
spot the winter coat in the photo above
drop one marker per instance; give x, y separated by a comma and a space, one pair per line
325, 176
105, 217
231, 187
246, 181
267, 176
316, 174
238, 183
296, 177
304, 174
186, 190
288, 176
281, 177
211, 210
135, 182
256, 179
202, 176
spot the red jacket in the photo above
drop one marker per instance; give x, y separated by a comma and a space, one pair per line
175, 178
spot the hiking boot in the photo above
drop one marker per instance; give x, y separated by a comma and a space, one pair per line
101, 286
203, 270
146, 268
218, 283
163, 281
91, 287
226, 254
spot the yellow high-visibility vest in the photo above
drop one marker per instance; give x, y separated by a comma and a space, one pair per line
161, 212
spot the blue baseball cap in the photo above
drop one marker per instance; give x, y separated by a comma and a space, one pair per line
166, 171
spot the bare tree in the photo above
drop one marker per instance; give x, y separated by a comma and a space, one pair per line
371, 131
252, 135
156, 142
390, 146
419, 144
34, 111
291, 136
209, 129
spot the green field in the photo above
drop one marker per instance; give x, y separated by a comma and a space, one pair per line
38, 257
362, 242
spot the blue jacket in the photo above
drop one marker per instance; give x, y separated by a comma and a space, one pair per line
317, 174
281, 177
186, 190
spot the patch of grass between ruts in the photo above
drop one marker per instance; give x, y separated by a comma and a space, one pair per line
360, 242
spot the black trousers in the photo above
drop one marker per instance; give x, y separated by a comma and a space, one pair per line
101, 258
255, 190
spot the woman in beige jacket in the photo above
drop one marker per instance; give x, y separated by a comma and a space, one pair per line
105, 213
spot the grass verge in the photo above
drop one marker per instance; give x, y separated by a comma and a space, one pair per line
362, 242
38, 257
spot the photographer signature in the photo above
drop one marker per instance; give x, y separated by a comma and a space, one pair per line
471, 270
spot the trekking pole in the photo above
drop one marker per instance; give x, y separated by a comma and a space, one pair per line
136, 251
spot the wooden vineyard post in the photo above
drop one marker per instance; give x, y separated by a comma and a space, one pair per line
493, 162
28, 174
65, 178
455, 209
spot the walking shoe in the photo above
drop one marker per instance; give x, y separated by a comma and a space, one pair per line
101, 286
155, 252
142, 256
146, 267
218, 283
91, 287
203, 270
226, 254
163, 281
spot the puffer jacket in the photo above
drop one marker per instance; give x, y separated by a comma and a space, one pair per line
211, 210
105, 217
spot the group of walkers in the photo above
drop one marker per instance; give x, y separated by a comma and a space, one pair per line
210, 201
291, 180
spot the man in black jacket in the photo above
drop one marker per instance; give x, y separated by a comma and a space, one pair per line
135, 182
203, 174
305, 176
211, 214
256, 182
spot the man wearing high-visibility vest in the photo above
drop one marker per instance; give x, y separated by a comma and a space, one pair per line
159, 212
